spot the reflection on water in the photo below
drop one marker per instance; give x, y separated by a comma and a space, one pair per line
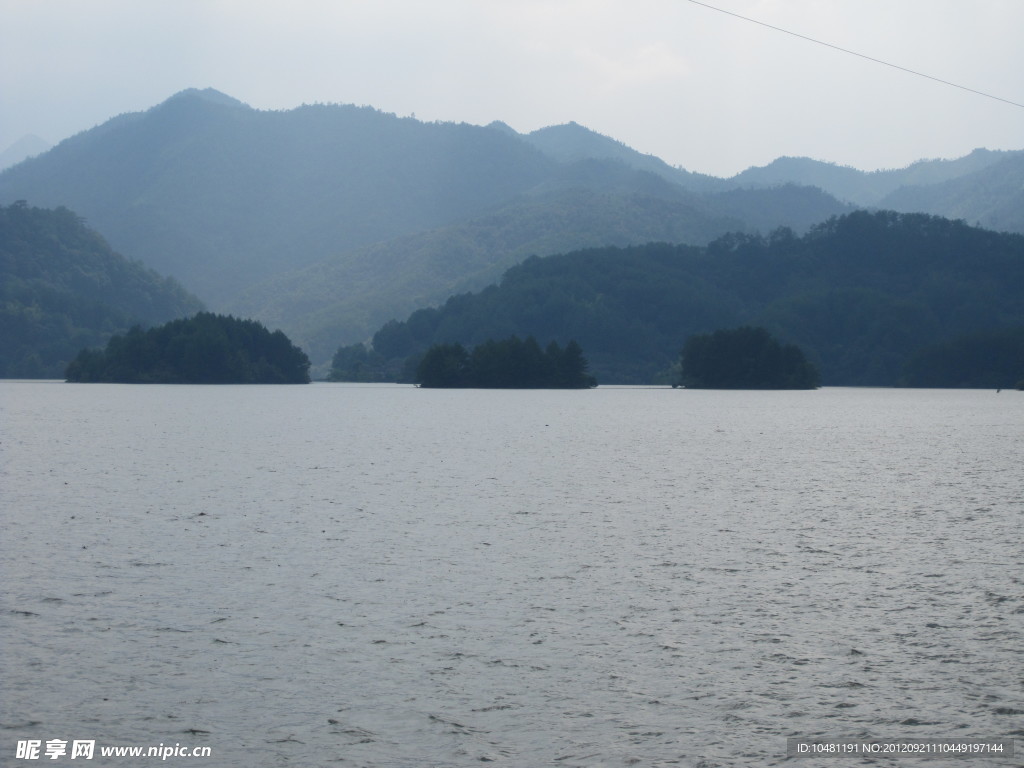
387, 576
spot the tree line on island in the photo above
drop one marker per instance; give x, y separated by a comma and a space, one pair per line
217, 349
203, 349
740, 358
511, 363
744, 358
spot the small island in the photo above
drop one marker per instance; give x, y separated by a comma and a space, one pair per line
511, 363
744, 358
203, 349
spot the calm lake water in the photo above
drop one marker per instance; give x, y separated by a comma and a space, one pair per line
386, 576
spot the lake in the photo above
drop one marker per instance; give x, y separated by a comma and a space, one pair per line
389, 576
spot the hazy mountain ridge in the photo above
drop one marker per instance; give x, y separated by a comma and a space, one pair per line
222, 195
571, 142
992, 196
908, 190
876, 188
324, 218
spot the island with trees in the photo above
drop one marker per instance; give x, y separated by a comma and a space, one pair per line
744, 358
357, 363
511, 363
203, 349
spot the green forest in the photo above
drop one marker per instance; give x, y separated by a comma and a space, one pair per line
62, 288
991, 360
861, 294
204, 349
511, 363
744, 358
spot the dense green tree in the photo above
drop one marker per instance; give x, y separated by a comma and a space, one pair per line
511, 363
204, 349
570, 366
357, 363
992, 359
444, 365
744, 358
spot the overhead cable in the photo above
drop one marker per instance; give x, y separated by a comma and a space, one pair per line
855, 53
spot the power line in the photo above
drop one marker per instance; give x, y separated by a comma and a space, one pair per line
861, 55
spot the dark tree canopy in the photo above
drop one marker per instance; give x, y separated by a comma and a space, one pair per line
204, 349
990, 360
511, 363
357, 363
744, 358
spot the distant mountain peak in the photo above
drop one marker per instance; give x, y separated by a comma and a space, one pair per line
504, 127
571, 141
209, 95
789, 163
870, 188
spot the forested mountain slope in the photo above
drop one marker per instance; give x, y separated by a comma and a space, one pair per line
860, 294
62, 288
992, 197
346, 298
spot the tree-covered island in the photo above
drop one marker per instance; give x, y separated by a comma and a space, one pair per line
511, 363
744, 358
203, 349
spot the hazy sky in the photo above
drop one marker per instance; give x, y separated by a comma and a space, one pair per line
700, 89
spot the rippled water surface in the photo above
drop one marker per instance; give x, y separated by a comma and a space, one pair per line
387, 576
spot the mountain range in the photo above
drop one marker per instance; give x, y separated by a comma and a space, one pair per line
328, 220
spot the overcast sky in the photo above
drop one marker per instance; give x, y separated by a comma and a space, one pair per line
699, 88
